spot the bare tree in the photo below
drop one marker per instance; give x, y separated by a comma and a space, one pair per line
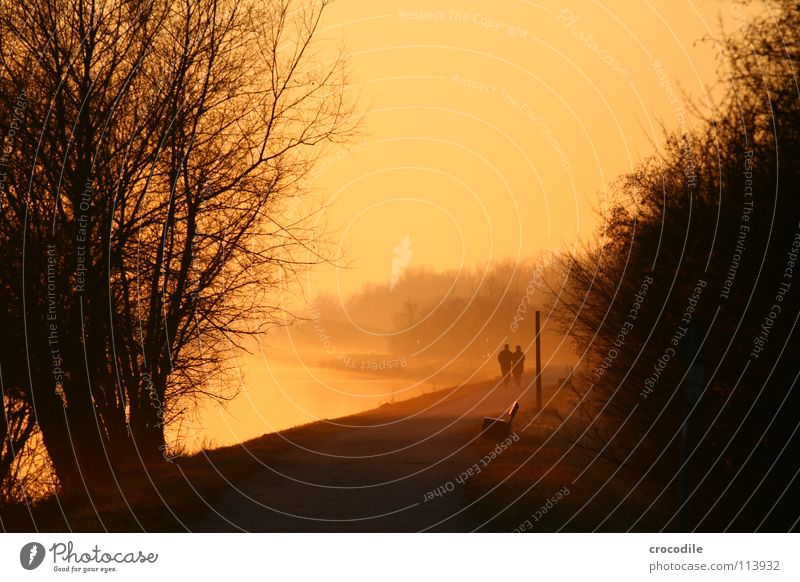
146, 204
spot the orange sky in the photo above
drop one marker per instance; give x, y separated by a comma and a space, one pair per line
493, 129
490, 131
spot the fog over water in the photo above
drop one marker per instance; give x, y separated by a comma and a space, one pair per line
423, 332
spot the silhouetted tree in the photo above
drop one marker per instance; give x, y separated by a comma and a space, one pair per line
156, 146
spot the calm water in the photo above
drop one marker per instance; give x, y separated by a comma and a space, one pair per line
278, 395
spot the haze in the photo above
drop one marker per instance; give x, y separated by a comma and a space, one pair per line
490, 135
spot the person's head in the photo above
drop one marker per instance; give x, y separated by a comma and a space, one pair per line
506, 346
519, 348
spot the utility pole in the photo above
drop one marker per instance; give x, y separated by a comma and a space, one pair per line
538, 363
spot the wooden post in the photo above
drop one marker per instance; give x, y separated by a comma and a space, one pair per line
538, 364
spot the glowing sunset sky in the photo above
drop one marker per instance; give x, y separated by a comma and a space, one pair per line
492, 130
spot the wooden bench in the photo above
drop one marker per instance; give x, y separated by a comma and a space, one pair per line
499, 428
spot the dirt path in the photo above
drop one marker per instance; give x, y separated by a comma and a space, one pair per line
368, 472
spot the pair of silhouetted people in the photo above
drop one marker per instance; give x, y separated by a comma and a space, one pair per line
511, 363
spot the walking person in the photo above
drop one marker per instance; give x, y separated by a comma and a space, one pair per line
506, 359
518, 365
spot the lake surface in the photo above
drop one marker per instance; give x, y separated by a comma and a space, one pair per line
278, 395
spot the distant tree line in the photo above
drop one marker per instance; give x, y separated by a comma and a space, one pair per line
458, 316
